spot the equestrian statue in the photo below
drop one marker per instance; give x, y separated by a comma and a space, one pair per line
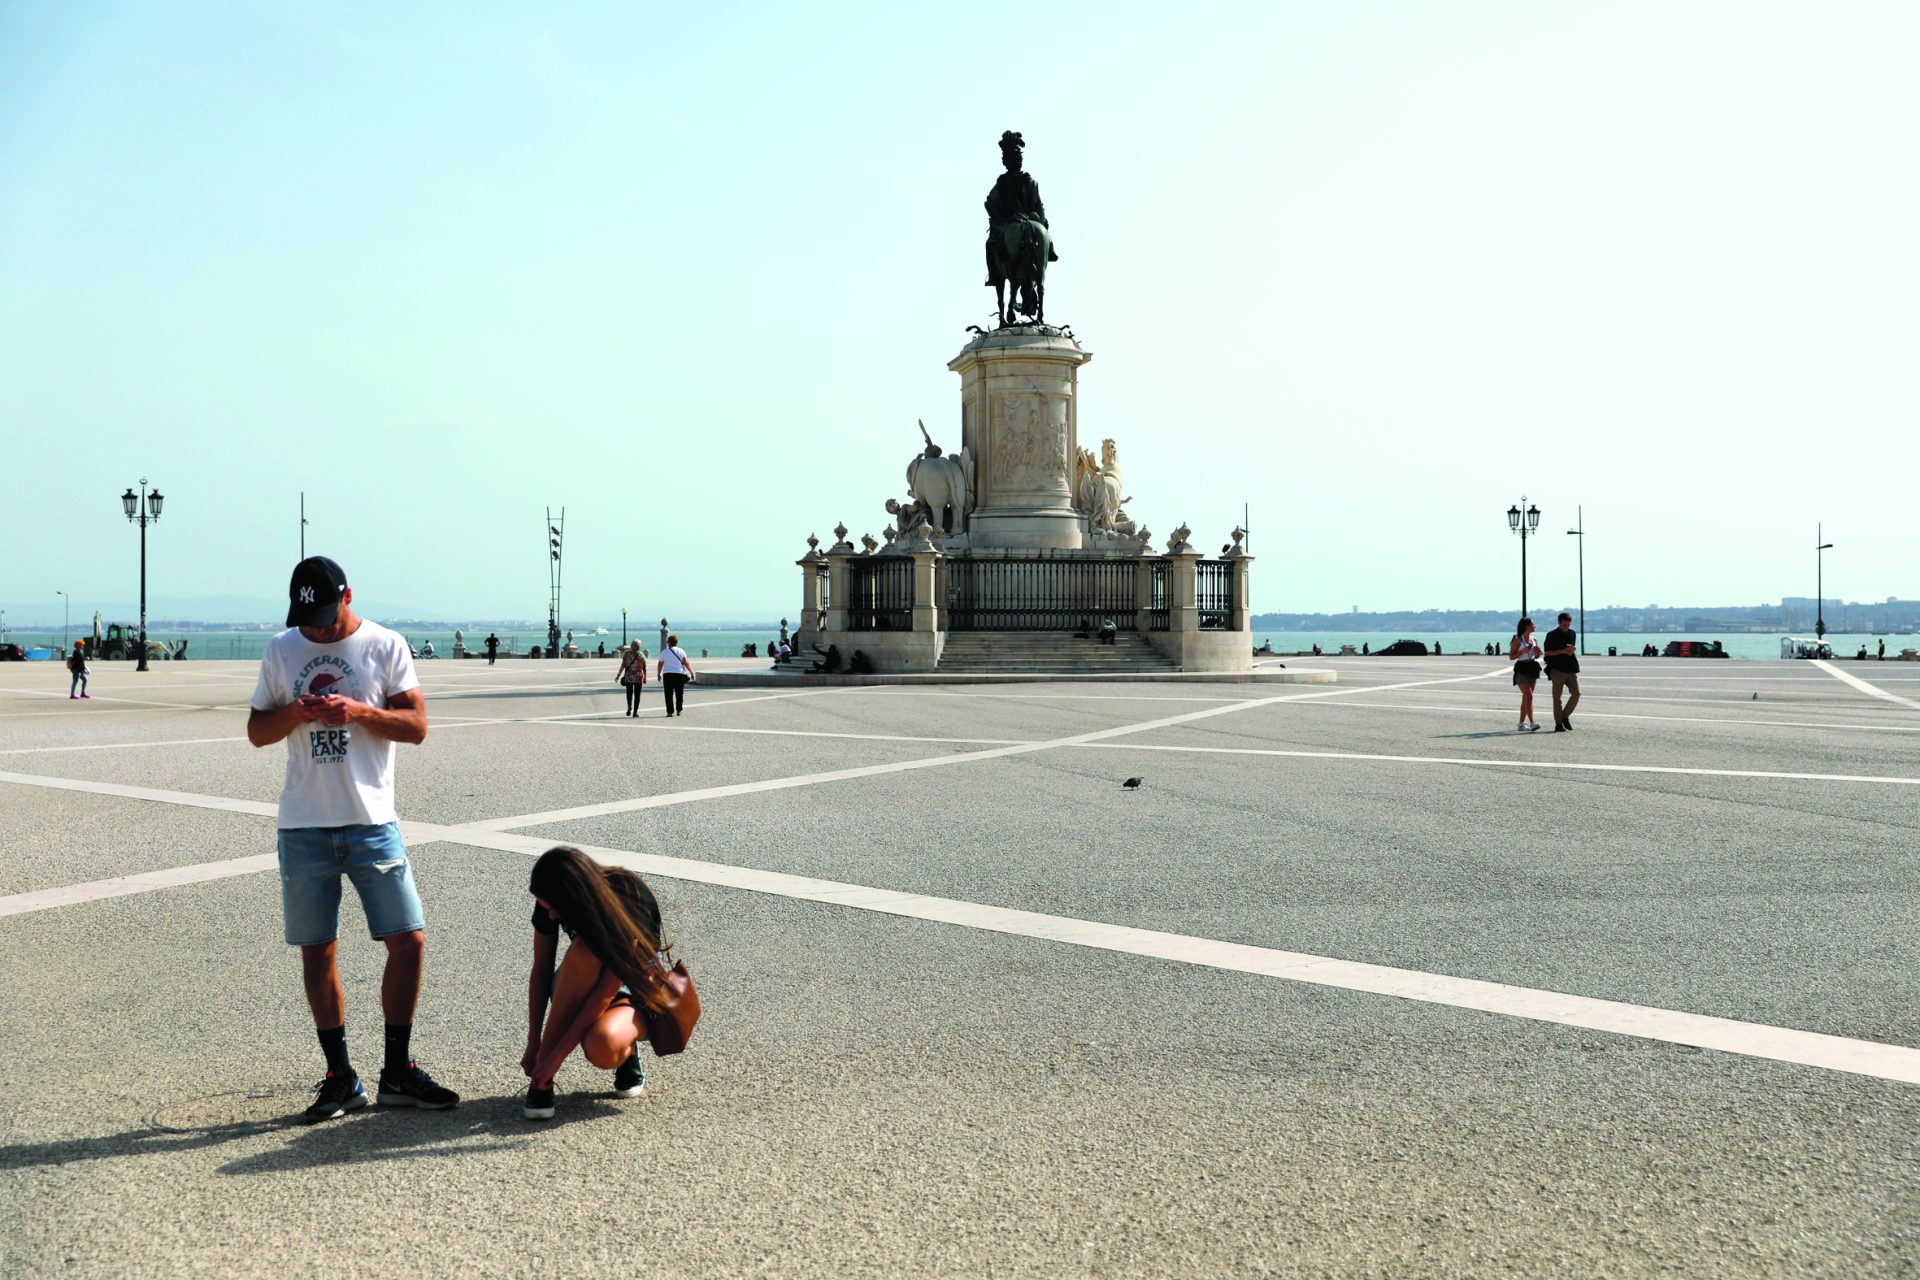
1019, 244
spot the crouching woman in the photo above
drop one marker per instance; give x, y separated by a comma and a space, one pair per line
610, 975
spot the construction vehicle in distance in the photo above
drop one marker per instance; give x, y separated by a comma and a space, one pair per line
121, 642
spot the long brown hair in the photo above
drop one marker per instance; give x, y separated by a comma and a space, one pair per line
610, 911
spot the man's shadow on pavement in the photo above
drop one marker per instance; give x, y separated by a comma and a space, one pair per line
370, 1134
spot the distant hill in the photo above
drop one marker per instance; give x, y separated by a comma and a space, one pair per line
1791, 616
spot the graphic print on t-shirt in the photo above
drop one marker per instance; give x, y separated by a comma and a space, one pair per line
328, 674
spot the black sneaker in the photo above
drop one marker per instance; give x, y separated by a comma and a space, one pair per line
629, 1081
337, 1096
539, 1103
414, 1088
1567, 723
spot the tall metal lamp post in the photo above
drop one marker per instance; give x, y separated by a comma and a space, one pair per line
1820, 548
623, 626
142, 509
1523, 523
66, 616
1580, 516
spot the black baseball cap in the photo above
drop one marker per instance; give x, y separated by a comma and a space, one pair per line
313, 597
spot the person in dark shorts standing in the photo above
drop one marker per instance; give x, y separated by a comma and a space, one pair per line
341, 691
1563, 669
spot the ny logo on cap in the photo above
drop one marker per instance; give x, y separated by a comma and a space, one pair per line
306, 595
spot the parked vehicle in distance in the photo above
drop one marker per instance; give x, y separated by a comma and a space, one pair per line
1403, 649
12, 653
1694, 649
1801, 647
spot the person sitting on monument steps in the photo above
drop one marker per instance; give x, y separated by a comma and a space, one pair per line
1109, 634
829, 663
613, 962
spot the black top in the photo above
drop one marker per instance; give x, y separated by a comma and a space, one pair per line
1561, 638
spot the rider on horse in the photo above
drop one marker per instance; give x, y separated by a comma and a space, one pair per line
1019, 244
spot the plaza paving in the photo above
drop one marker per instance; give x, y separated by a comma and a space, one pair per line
1360, 983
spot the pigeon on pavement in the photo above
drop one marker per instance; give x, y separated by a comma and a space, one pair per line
1131, 784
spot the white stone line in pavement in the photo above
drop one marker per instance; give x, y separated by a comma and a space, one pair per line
258, 808
107, 697
1454, 709
146, 882
1647, 1022
1849, 678
1511, 764
606, 720
637, 803
1731, 698
117, 746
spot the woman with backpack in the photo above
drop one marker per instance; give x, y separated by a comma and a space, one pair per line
611, 976
633, 675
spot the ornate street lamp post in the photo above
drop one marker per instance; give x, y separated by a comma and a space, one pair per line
1580, 515
1820, 548
66, 616
623, 626
1524, 523
142, 509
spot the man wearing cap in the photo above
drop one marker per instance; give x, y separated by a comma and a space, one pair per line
340, 691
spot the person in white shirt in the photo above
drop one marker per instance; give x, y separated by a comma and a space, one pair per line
675, 669
340, 691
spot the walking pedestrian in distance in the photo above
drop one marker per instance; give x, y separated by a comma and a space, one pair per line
1525, 656
675, 670
77, 664
341, 691
493, 648
1563, 669
613, 956
633, 675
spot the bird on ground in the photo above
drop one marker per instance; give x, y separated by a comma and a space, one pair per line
1131, 784
1756, 697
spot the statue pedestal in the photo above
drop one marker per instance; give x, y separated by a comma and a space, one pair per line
1020, 422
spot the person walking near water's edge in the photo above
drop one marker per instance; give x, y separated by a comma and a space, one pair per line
633, 676
1563, 669
1524, 654
341, 691
676, 669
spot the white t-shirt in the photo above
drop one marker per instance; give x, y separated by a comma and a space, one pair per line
337, 775
673, 661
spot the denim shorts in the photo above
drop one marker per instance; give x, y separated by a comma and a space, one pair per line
312, 860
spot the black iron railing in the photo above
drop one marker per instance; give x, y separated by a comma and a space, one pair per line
1039, 595
1213, 594
1159, 589
879, 593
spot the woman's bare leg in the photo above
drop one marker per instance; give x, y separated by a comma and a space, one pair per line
612, 1039
579, 974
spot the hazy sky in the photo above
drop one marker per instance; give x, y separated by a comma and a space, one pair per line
692, 272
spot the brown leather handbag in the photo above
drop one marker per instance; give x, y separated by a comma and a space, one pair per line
669, 1029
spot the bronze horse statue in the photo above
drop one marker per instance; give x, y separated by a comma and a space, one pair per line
1019, 242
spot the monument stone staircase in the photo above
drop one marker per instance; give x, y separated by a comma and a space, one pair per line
1051, 652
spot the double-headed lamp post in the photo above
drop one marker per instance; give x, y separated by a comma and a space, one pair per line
66, 616
1580, 516
1523, 523
1820, 548
142, 509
